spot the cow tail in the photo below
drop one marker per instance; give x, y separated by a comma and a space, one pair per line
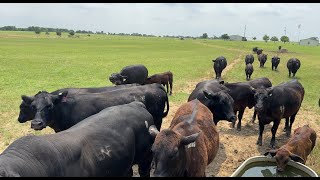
166, 113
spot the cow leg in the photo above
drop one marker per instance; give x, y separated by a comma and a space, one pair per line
145, 165
293, 74
261, 129
289, 73
170, 88
254, 116
286, 125
167, 84
240, 117
273, 131
234, 123
292, 118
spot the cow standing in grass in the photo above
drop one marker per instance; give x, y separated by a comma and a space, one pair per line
189, 145
165, 79
218, 65
293, 65
248, 71
275, 62
130, 74
262, 58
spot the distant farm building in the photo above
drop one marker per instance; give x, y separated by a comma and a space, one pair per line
313, 41
236, 38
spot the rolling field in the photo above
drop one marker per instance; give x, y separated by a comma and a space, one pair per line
30, 63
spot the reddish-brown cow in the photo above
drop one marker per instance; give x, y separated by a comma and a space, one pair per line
165, 79
189, 145
297, 148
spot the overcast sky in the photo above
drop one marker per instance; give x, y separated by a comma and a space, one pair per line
191, 19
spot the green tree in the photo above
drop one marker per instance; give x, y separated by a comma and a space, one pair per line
37, 31
225, 36
274, 39
254, 38
284, 39
204, 36
58, 33
266, 38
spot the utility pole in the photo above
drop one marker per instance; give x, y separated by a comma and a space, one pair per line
299, 26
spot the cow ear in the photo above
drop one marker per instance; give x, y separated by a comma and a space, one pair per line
189, 139
269, 91
213, 60
153, 131
61, 97
296, 158
27, 99
271, 152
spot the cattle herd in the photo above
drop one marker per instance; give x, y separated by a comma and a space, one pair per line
104, 131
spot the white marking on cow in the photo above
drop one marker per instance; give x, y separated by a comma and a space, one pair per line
193, 144
104, 152
146, 123
60, 94
282, 109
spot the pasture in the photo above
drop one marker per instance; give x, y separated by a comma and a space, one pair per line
30, 63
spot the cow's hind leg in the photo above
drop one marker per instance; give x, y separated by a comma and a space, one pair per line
274, 128
239, 119
145, 165
254, 116
286, 125
292, 118
170, 83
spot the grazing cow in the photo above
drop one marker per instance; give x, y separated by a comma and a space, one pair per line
165, 79
293, 65
130, 74
255, 49
61, 113
248, 71
218, 65
275, 103
259, 83
249, 59
189, 145
26, 113
214, 95
275, 62
298, 147
279, 48
259, 51
104, 144
262, 58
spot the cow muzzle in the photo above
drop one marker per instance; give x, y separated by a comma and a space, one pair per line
37, 125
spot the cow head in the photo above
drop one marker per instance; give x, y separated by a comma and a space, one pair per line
282, 157
26, 112
261, 98
220, 104
169, 152
43, 105
275, 59
117, 79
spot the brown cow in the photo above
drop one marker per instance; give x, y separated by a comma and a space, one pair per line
297, 148
189, 145
165, 79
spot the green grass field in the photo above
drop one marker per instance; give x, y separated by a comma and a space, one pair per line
30, 63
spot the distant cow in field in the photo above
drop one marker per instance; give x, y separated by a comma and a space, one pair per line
189, 145
262, 58
275, 103
214, 95
249, 59
248, 71
130, 74
218, 65
275, 60
108, 143
27, 113
298, 147
259, 51
165, 79
293, 65
255, 49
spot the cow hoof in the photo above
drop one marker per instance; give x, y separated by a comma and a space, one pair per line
259, 143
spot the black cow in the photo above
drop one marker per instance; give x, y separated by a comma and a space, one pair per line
275, 62
259, 51
293, 65
249, 59
130, 74
248, 70
275, 103
218, 65
255, 49
214, 95
61, 113
262, 58
104, 144
26, 113
259, 83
